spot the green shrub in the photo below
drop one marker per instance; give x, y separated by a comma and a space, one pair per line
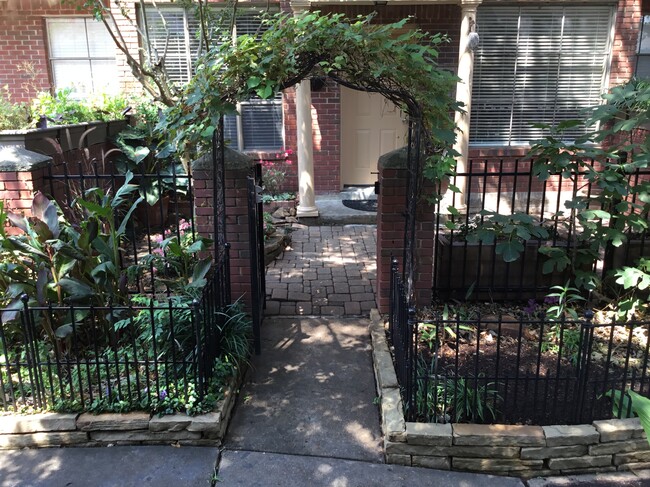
13, 116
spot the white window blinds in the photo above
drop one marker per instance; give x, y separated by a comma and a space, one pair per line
643, 52
536, 65
259, 123
82, 55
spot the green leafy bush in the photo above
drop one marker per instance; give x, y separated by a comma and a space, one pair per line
13, 116
63, 108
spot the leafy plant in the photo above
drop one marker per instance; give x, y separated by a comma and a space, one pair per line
624, 404
564, 300
147, 153
567, 336
65, 108
176, 259
454, 399
469, 401
13, 116
274, 172
508, 231
617, 207
65, 262
286, 196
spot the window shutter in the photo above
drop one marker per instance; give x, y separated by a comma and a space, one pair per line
536, 65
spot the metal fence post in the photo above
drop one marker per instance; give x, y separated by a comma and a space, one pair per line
200, 353
411, 362
582, 366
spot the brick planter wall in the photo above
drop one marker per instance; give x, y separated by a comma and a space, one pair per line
513, 450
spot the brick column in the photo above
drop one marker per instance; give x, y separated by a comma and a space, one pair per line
21, 176
390, 230
238, 167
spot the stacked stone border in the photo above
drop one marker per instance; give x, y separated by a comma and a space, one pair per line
512, 450
138, 428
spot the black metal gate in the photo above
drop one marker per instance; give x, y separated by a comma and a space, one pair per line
414, 157
256, 239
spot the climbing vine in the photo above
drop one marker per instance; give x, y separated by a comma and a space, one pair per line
354, 52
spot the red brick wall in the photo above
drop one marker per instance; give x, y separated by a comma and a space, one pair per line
23, 40
17, 190
390, 237
237, 221
326, 117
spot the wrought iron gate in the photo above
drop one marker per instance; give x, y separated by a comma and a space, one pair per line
413, 164
256, 242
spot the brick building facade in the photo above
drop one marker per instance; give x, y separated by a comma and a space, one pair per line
26, 67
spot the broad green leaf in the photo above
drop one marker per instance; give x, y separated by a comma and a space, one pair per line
510, 251
127, 217
201, 269
64, 331
75, 289
253, 82
641, 406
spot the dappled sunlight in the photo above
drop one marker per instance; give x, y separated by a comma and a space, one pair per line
320, 399
360, 433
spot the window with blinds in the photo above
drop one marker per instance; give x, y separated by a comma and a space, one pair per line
536, 64
258, 126
82, 55
643, 52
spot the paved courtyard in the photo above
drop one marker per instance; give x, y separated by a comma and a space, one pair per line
326, 271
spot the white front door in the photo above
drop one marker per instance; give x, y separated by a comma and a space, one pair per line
371, 126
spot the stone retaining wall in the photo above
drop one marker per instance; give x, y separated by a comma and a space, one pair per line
138, 428
522, 451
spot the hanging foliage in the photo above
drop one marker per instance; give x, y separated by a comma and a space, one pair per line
354, 52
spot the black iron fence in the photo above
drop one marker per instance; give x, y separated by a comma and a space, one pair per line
461, 365
159, 208
114, 299
469, 268
112, 357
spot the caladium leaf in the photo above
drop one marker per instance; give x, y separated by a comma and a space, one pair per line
45, 210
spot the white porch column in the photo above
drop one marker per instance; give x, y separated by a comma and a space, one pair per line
307, 204
464, 90
305, 149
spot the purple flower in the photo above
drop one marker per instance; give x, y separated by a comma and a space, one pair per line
551, 300
163, 395
531, 308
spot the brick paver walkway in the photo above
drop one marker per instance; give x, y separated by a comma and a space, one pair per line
328, 270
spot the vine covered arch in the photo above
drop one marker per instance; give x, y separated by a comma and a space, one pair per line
389, 59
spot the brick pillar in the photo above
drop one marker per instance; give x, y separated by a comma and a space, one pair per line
238, 167
390, 230
21, 176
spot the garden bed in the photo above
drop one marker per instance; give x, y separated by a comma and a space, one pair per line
136, 428
515, 450
524, 367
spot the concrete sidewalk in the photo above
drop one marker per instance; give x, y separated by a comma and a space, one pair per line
119, 466
305, 417
310, 392
253, 469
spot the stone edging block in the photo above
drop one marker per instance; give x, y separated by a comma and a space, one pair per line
55, 429
517, 450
